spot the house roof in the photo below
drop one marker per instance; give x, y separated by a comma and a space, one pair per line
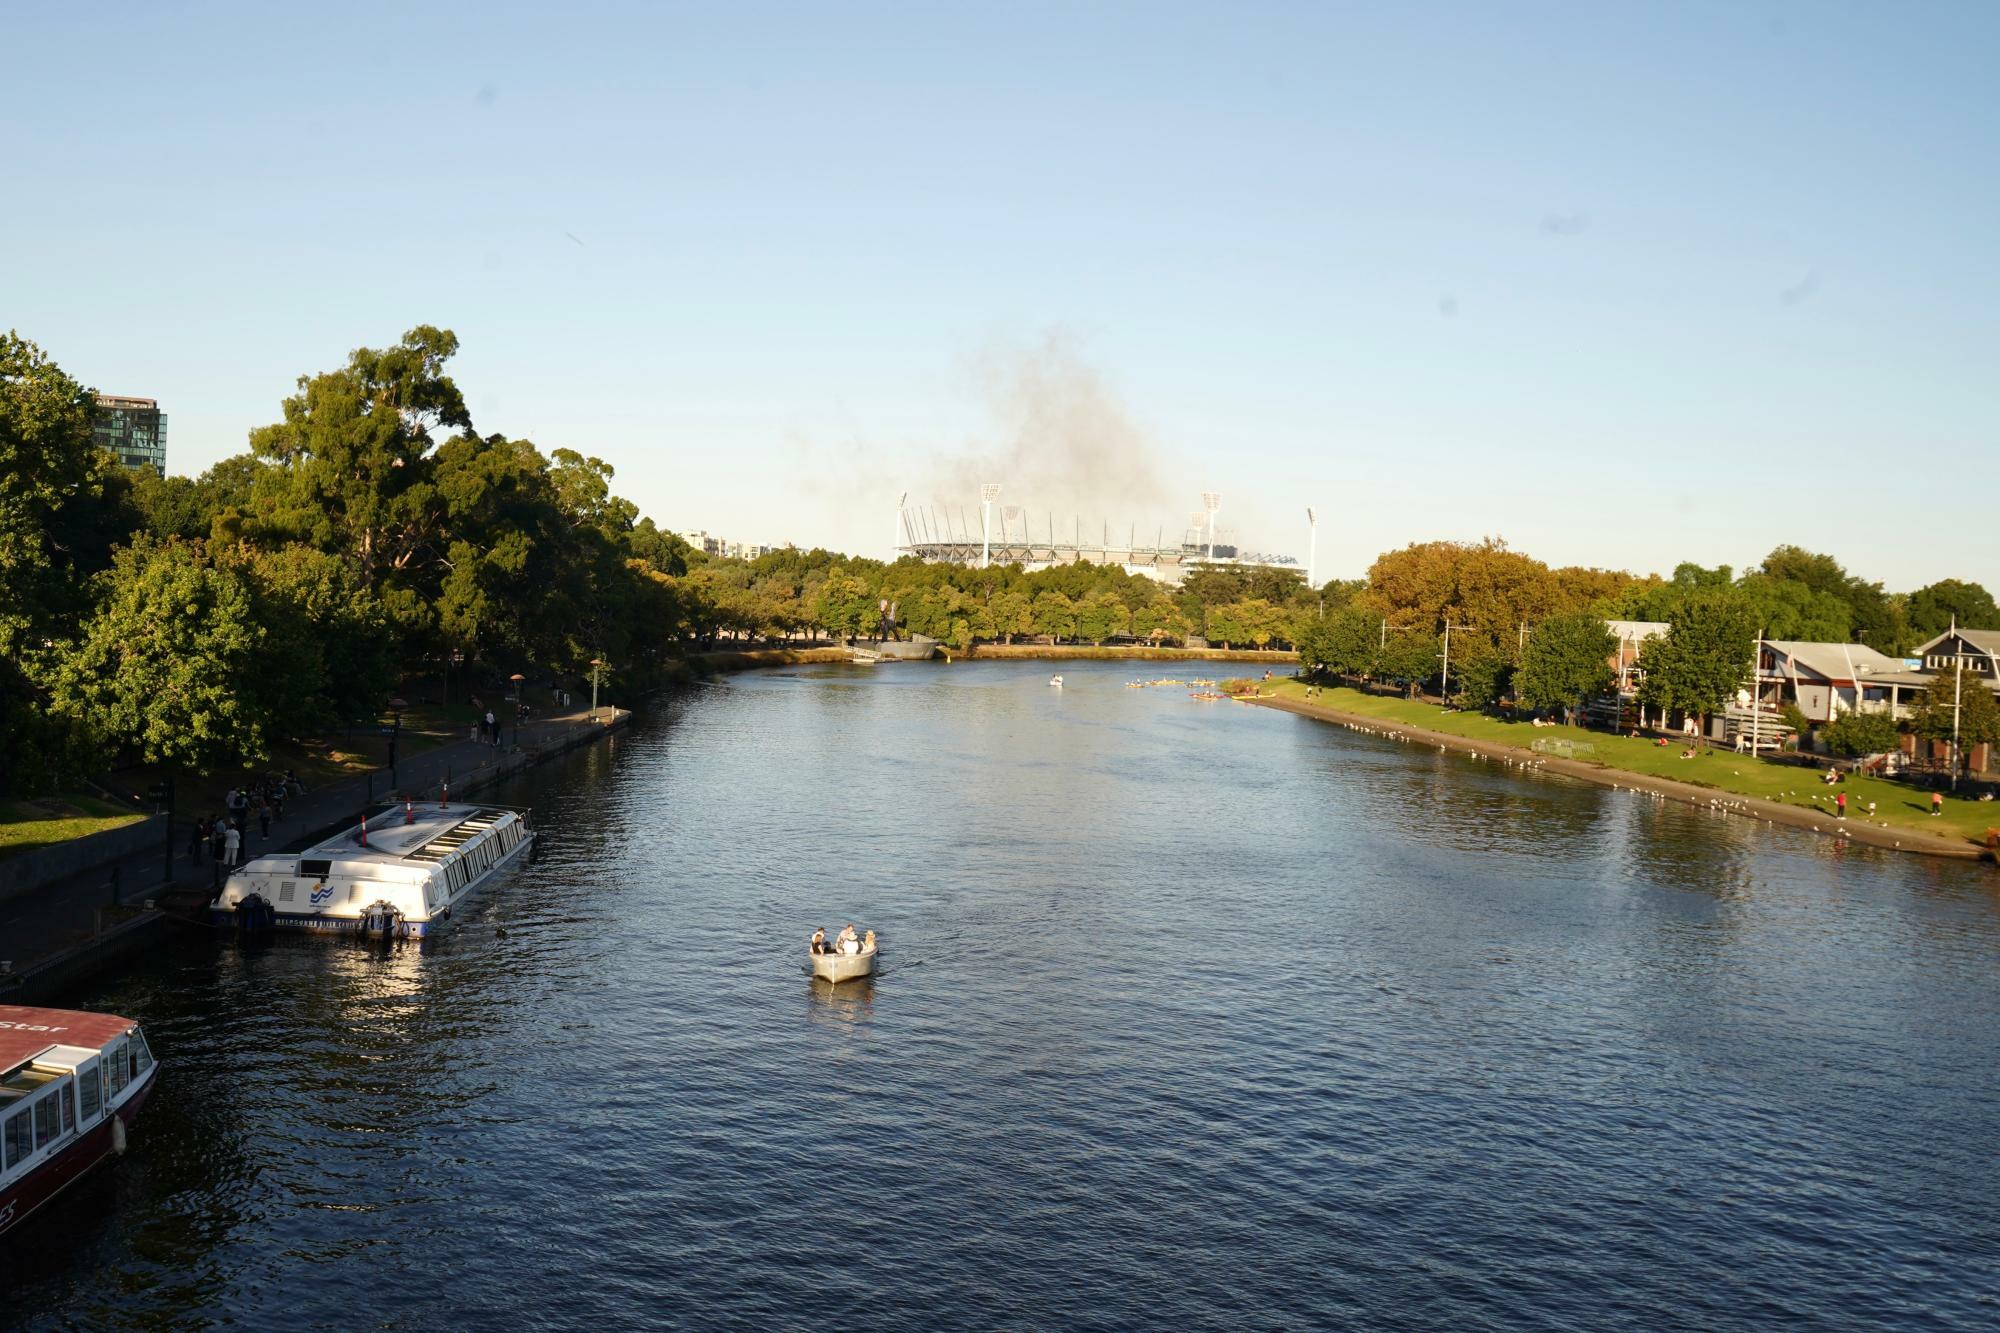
1985, 640
1638, 629
1838, 661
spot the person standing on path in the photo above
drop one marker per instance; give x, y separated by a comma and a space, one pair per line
264, 820
1937, 803
492, 728
200, 839
216, 828
232, 844
1840, 805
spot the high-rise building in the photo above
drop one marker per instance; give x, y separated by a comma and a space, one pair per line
133, 430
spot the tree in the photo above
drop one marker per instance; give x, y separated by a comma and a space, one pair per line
1055, 615
1409, 658
1567, 659
1704, 657
1854, 734
1101, 615
1958, 703
1482, 671
63, 504
1341, 643
1933, 609
845, 605
1013, 613
163, 665
353, 449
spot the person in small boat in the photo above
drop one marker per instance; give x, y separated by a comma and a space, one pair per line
868, 942
819, 940
848, 941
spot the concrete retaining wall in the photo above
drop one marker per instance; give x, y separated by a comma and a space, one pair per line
31, 870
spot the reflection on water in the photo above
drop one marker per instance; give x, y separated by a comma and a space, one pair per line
1190, 1014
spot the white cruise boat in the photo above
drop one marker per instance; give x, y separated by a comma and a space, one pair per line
399, 874
70, 1083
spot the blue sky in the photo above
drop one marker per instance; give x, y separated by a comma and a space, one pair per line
1623, 284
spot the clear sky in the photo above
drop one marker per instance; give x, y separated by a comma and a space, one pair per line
1624, 284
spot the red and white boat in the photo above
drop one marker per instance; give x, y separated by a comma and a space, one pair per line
70, 1084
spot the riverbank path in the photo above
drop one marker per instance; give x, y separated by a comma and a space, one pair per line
59, 915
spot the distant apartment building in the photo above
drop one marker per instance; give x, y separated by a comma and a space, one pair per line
132, 430
713, 545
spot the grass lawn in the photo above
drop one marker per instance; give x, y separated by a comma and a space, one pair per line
1897, 804
26, 825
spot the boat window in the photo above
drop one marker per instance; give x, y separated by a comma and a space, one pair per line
20, 1135
142, 1054
115, 1070
67, 1096
90, 1091
48, 1121
315, 869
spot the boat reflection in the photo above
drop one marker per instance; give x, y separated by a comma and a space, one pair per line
844, 1002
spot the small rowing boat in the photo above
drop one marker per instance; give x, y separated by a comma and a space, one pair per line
839, 967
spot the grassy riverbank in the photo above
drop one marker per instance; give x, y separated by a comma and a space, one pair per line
26, 825
1067, 652
1795, 791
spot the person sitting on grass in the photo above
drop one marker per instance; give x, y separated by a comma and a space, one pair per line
1688, 753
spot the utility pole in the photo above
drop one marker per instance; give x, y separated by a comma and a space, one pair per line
1957, 694
1756, 693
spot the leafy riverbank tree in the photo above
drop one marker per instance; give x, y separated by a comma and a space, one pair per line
1567, 659
1704, 657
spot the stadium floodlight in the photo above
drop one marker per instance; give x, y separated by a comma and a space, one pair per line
897, 545
987, 495
1312, 546
1211, 502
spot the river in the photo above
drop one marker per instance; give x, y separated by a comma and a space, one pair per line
1191, 1013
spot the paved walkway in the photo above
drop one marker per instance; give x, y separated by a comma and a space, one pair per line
56, 916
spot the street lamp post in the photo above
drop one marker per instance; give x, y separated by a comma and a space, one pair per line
595, 664
987, 495
396, 707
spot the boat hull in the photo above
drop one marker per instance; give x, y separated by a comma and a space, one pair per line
843, 966
52, 1177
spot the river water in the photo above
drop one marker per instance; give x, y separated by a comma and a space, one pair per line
1191, 1013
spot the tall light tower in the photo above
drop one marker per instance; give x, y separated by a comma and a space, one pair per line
897, 544
1210, 502
1312, 547
987, 495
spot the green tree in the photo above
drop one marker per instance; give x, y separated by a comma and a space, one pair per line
1854, 734
1959, 700
1481, 670
1013, 613
1055, 615
1341, 643
163, 665
354, 472
1704, 658
1933, 609
846, 605
1568, 658
1407, 657
1101, 615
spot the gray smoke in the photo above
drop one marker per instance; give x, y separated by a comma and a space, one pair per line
1061, 439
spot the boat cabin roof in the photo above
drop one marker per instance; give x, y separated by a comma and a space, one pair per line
27, 1032
436, 831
